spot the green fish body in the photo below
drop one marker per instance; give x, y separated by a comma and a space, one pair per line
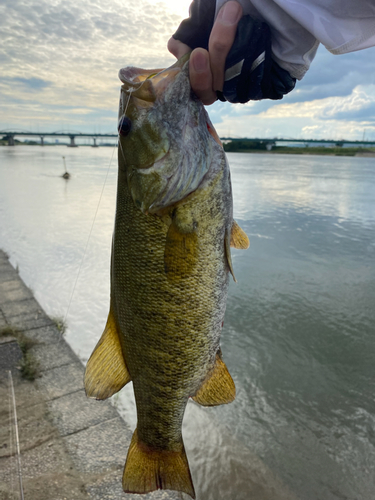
169, 272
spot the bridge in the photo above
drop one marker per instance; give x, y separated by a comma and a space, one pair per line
10, 135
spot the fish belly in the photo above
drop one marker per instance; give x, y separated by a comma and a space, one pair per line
169, 325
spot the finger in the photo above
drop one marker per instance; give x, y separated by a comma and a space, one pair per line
201, 76
177, 48
221, 40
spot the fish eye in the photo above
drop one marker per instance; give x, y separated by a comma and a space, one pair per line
124, 126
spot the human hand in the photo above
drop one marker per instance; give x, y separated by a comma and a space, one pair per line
232, 55
206, 67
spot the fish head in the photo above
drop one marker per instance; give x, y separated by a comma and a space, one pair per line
164, 137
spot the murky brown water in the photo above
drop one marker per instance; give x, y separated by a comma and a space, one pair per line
299, 334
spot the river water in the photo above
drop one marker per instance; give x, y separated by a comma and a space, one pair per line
299, 332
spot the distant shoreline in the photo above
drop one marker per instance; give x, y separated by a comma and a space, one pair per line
54, 144
234, 147
314, 150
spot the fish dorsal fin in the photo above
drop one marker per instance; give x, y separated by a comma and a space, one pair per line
227, 240
148, 469
106, 371
238, 237
218, 388
180, 254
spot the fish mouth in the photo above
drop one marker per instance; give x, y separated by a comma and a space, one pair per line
148, 85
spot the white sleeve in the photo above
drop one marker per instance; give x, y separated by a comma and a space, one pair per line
298, 26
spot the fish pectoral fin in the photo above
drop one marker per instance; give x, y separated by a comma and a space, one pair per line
238, 237
180, 254
106, 371
218, 388
228, 254
148, 469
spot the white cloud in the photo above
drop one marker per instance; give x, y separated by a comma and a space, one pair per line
60, 59
361, 98
180, 7
329, 118
78, 48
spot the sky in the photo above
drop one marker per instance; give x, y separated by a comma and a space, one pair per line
59, 62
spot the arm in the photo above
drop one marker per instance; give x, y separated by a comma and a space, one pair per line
232, 59
211, 41
296, 29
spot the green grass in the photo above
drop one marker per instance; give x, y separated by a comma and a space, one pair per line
60, 324
9, 331
29, 367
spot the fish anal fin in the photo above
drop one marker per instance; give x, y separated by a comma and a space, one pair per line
238, 237
180, 254
106, 371
218, 388
148, 469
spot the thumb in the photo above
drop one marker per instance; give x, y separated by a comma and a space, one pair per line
177, 48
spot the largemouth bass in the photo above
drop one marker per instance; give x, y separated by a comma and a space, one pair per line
169, 272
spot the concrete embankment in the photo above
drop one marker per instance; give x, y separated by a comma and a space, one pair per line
74, 448
71, 447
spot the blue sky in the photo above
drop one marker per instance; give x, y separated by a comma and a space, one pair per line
59, 63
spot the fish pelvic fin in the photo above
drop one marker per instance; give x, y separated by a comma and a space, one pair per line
218, 388
181, 253
106, 371
238, 237
148, 469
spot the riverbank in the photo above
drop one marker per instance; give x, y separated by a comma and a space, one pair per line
313, 150
71, 447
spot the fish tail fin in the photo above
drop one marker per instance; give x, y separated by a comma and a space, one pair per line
148, 469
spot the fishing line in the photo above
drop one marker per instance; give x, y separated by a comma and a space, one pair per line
97, 210
16, 435
123, 118
89, 236
11, 440
129, 91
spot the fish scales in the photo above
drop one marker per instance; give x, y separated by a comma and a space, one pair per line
169, 272
178, 321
